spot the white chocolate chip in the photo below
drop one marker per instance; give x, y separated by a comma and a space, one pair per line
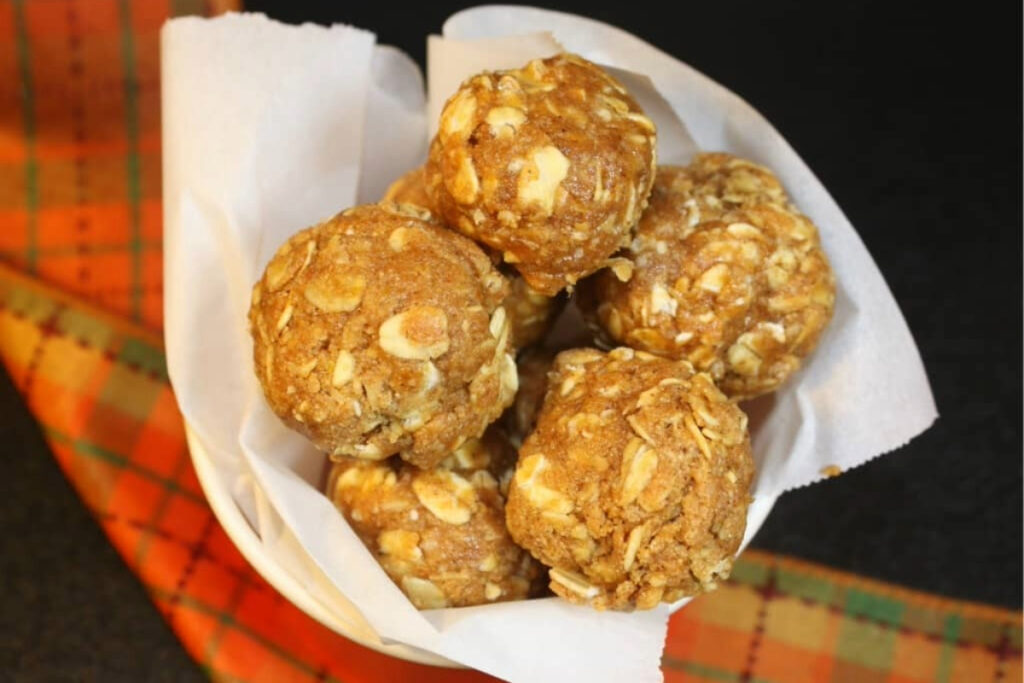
504, 120
622, 268
446, 495
417, 333
777, 331
457, 117
549, 501
743, 359
401, 544
341, 292
423, 593
713, 279
465, 186
398, 238
540, 179
662, 301
365, 478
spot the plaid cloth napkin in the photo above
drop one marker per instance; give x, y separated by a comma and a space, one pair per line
80, 314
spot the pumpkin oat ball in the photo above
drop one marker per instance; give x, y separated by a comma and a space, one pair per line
530, 313
550, 165
633, 488
521, 418
411, 188
727, 275
439, 534
380, 332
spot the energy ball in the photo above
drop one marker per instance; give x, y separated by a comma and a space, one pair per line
727, 275
380, 332
716, 180
634, 487
530, 313
550, 165
521, 418
411, 188
439, 534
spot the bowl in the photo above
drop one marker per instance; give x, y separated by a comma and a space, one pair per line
322, 601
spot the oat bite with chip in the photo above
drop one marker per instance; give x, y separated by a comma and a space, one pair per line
439, 534
380, 332
550, 165
530, 313
521, 419
634, 487
727, 274
411, 188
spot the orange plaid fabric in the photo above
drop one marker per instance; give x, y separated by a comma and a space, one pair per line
80, 209
80, 145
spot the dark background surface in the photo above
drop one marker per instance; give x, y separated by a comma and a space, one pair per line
912, 118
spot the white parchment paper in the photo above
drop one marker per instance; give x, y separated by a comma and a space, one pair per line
270, 128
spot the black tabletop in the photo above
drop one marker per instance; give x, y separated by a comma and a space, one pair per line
911, 116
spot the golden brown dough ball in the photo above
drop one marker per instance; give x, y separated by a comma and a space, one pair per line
550, 165
530, 313
521, 418
724, 181
634, 487
411, 188
380, 332
439, 534
726, 275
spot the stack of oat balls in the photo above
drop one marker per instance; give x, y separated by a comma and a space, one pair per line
618, 474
